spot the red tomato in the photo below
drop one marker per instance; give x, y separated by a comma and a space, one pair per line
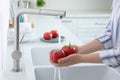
68, 50
47, 36
56, 54
54, 33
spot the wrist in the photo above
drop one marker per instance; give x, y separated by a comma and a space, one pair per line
81, 50
79, 58
90, 58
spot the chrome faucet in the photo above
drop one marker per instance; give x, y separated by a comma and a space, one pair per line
17, 54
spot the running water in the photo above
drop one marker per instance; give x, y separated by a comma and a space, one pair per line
59, 74
57, 70
59, 46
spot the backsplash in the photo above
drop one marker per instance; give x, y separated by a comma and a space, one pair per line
76, 4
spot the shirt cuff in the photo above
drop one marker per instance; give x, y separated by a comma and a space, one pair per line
108, 57
106, 41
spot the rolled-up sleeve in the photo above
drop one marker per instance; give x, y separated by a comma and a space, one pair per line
110, 57
106, 38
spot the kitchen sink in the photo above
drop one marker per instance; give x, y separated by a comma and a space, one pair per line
40, 55
42, 69
88, 72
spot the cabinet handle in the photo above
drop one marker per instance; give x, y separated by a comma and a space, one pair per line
100, 23
66, 21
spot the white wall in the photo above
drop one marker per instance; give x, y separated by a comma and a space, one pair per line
77, 4
4, 23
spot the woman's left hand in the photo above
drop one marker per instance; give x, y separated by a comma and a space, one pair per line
67, 61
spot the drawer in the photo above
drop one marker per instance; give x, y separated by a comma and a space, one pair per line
100, 27
93, 21
87, 35
86, 40
88, 30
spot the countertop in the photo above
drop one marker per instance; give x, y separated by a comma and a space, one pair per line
42, 24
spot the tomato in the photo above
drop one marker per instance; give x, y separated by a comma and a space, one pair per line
54, 33
56, 54
68, 50
47, 36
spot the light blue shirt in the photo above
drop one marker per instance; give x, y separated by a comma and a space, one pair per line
111, 38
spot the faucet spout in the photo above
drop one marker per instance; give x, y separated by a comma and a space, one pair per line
17, 54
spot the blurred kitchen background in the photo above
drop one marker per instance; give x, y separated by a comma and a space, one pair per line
74, 4
86, 19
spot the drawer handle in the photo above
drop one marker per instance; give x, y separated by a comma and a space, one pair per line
66, 21
100, 23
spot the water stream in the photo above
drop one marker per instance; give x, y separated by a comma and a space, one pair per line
57, 73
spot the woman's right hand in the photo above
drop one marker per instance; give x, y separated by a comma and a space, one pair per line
77, 58
67, 61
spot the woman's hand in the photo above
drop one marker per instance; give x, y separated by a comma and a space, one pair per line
78, 58
82, 55
67, 61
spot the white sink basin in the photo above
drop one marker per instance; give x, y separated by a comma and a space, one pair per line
40, 55
95, 72
43, 70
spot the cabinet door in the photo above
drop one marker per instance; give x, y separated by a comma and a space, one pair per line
70, 24
89, 28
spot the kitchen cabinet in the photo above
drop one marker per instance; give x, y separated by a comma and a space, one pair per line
91, 27
70, 24
86, 28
